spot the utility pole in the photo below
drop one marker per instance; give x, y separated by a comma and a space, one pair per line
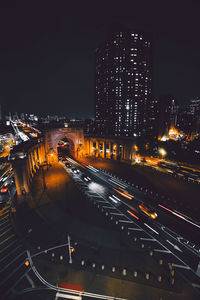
69, 248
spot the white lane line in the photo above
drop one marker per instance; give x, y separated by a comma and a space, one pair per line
109, 207
148, 239
13, 242
125, 221
181, 266
116, 214
175, 246
5, 231
116, 183
162, 251
8, 225
151, 228
7, 239
196, 285
67, 296
100, 201
136, 229
6, 221
13, 250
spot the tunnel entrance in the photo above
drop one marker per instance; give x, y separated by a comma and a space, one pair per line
65, 148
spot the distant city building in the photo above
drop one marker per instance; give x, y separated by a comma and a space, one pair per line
189, 117
167, 110
194, 108
123, 84
185, 120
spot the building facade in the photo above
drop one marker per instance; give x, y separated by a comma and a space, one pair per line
167, 111
123, 84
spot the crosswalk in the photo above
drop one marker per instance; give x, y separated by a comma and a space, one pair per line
15, 275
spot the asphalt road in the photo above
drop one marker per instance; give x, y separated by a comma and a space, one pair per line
179, 251
177, 193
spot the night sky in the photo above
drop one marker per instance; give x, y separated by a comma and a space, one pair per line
47, 51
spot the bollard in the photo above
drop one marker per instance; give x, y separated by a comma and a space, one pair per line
142, 245
93, 265
82, 262
159, 278
147, 275
135, 274
135, 239
111, 218
61, 257
124, 273
53, 254
128, 232
113, 269
106, 213
151, 253
122, 228
116, 222
102, 267
161, 261
172, 273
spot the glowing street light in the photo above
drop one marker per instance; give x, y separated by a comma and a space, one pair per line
162, 152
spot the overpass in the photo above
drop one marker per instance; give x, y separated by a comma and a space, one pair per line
87, 145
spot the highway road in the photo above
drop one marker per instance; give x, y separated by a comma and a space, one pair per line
164, 234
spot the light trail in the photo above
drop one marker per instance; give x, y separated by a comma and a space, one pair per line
132, 214
178, 215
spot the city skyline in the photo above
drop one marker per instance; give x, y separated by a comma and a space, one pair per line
47, 54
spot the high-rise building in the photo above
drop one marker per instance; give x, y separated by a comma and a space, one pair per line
167, 110
194, 108
123, 84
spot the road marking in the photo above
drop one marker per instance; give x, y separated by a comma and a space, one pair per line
8, 225
6, 221
10, 263
137, 229
109, 207
100, 201
30, 280
196, 285
117, 183
67, 296
162, 251
13, 250
5, 231
125, 221
181, 266
151, 228
10, 236
116, 214
175, 246
6, 217
148, 239
8, 245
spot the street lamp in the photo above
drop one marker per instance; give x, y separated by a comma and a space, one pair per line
162, 152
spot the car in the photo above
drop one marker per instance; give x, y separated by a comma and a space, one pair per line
86, 178
75, 170
68, 165
4, 188
148, 210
